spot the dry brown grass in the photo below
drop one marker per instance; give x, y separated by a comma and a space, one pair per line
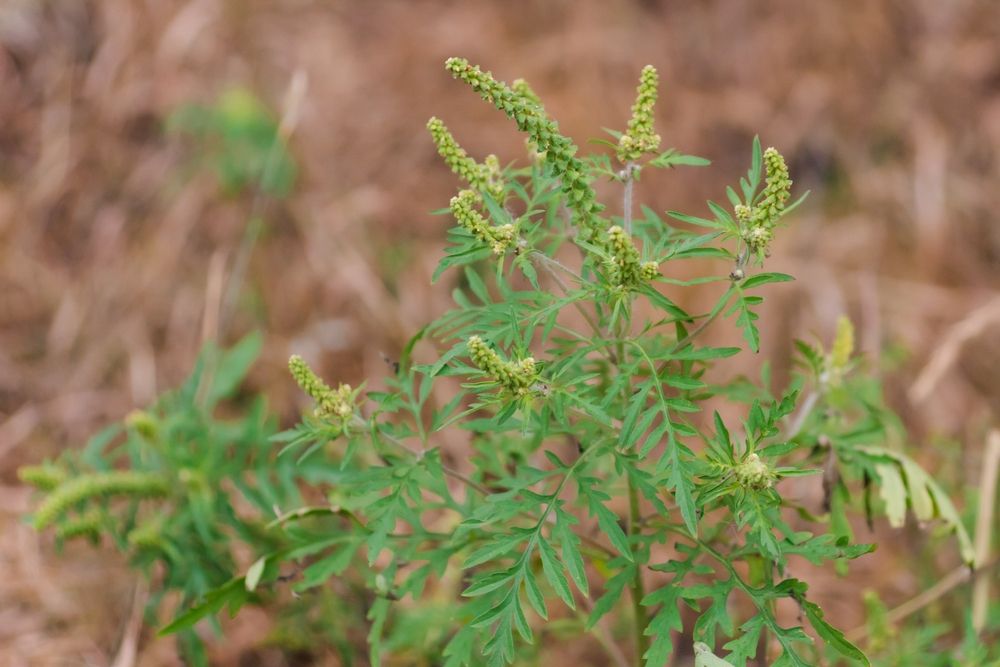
888, 110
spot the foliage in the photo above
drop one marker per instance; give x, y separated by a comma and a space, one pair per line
613, 470
239, 141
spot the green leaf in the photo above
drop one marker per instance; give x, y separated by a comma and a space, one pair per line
666, 621
534, 594
333, 564
671, 158
893, 493
233, 365
571, 550
608, 522
764, 279
499, 546
744, 647
612, 593
254, 573
554, 574
831, 635
746, 320
489, 582
232, 594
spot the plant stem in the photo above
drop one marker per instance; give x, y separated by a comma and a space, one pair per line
638, 587
946, 584
627, 208
548, 263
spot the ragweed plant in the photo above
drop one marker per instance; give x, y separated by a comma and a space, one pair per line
613, 482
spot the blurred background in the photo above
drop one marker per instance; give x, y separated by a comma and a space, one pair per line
134, 176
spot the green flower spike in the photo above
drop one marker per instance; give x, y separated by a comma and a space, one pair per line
517, 377
86, 525
486, 177
95, 486
840, 354
758, 223
559, 150
626, 269
463, 207
335, 404
43, 477
147, 535
521, 87
640, 137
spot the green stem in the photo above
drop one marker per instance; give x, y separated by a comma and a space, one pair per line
638, 587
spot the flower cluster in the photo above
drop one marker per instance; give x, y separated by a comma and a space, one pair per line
88, 524
521, 87
43, 477
499, 238
757, 223
640, 137
626, 269
840, 353
336, 404
147, 535
530, 118
98, 485
517, 377
754, 474
486, 177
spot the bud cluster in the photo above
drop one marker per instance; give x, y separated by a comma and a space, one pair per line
840, 353
544, 133
757, 223
517, 377
336, 404
87, 525
486, 177
500, 238
754, 474
95, 486
43, 477
627, 270
640, 137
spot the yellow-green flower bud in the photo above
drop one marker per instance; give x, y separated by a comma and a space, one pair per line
43, 477
521, 87
840, 354
88, 525
517, 377
98, 485
626, 270
754, 474
499, 239
758, 239
147, 535
777, 189
142, 423
454, 155
330, 403
650, 271
487, 177
757, 224
493, 182
640, 137
743, 214
531, 119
